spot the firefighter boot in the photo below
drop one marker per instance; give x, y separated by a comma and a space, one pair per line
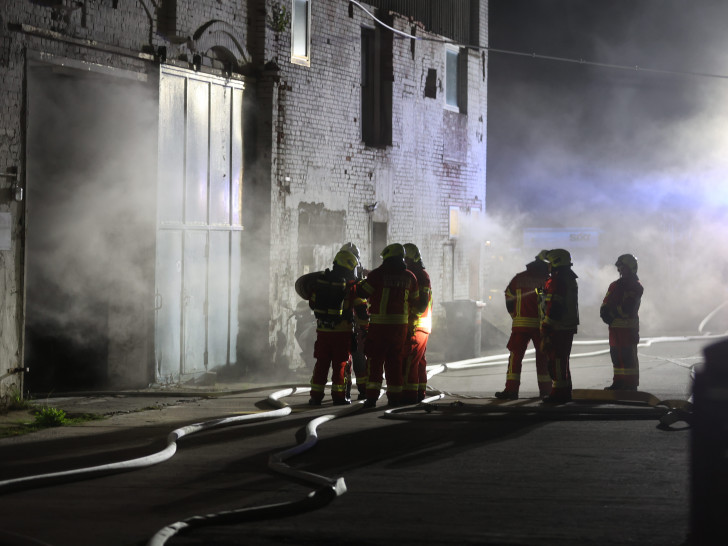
507, 394
544, 388
558, 396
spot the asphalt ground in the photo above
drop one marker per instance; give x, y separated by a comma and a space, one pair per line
464, 469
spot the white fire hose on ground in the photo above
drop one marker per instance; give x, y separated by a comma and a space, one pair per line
330, 488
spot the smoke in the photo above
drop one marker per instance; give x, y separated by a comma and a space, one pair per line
90, 227
639, 156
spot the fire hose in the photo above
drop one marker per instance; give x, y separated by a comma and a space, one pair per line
327, 489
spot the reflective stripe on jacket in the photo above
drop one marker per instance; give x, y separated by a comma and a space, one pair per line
623, 302
423, 320
522, 300
390, 291
560, 305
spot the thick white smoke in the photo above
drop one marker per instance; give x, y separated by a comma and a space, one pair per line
640, 156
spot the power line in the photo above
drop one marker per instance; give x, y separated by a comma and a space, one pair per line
542, 57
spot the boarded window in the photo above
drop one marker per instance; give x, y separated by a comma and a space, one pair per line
377, 76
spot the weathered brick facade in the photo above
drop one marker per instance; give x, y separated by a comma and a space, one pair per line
304, 154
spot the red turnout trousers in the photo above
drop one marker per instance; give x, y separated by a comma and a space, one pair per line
332, 350
517, 345
385, 345
623, 350
415, 368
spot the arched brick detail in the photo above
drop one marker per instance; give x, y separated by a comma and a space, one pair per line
220, 37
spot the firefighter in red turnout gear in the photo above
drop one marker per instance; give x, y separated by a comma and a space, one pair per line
415, 363
619, 310
332, 304
390, 290
522, 303
358, 361
559, 322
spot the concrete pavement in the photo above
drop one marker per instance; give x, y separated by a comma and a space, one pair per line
463, 472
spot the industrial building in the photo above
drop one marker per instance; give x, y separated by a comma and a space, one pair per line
169, 168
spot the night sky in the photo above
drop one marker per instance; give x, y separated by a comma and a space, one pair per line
572, 143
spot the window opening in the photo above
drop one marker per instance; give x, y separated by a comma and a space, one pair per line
377, 75
456, 79
301, 32
379, 241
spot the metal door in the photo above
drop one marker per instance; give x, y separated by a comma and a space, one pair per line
199, 223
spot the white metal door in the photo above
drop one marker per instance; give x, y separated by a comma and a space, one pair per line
199, 223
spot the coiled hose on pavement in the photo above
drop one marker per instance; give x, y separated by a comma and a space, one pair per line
327, 489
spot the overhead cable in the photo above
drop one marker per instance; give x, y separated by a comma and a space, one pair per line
539, 56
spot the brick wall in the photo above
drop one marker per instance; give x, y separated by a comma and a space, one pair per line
308, 147
437, 157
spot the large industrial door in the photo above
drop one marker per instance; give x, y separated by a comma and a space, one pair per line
199, 223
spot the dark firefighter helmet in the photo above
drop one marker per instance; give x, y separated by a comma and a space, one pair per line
628, 261
411, 252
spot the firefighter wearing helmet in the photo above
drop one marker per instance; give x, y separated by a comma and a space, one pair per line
358, 361
559, 322
420, 327
619, 311
332, 302
391, 290
522, 303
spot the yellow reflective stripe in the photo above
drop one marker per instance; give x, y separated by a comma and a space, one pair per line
316, 387
624, 323
338, 388
626, 371
543, 378
384, 301
513, 376
394, 390
526, 322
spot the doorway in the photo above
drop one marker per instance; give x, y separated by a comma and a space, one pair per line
91, 170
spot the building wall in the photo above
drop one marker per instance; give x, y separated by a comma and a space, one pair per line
437, 157
303, 140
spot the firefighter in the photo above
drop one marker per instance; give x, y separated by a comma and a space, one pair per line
361, 318
619, 311
390, 290
331, 301
415, 363
559, 321
522, 303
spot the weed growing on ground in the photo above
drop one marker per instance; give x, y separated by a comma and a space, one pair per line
47, 416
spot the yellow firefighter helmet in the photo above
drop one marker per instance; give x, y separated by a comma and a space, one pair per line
558, 257
346, 259
395, 250
351, 247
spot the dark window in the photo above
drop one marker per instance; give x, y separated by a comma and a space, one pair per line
431, 84
377, 75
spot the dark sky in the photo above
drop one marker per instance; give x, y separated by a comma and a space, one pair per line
574, 143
